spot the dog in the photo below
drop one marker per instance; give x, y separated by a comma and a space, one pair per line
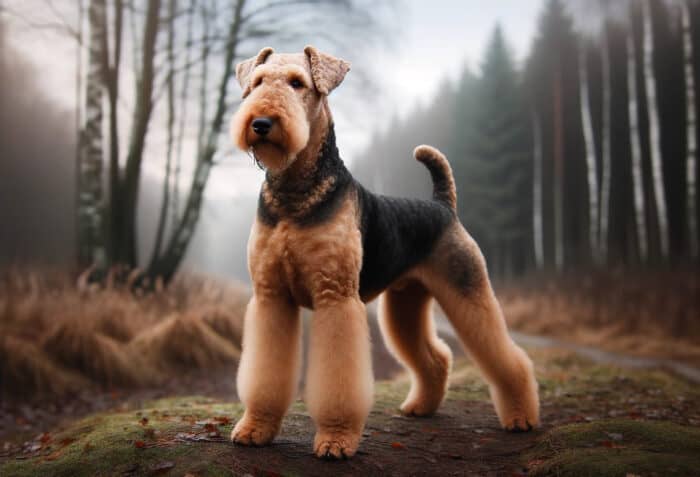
322, 241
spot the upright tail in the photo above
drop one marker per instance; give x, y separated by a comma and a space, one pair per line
444, 189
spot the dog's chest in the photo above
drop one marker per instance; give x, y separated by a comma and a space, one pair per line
307, 262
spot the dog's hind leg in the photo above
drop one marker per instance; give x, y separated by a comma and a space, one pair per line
456, 275
407, 326
339, 385
269, 369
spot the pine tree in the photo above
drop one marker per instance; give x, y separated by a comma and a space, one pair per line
497, 160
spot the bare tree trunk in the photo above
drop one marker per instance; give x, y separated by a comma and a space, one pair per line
606, 164
170, 85
139, 129
183, 112
591, 161
167, 265
91, 233
206, 12
558, 172
636, 148
655, 132
538, 235
112, 85
691, 139
79, 65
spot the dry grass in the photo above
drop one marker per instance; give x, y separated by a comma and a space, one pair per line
58, 336
643, 313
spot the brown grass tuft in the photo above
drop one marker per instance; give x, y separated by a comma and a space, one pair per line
55, 329
649, 313
85, 350
184, 341
25, 368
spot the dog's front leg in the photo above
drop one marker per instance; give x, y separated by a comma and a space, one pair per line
269, 367
339, 385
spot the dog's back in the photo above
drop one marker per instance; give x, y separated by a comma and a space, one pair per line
398, 233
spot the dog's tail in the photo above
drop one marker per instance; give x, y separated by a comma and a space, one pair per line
444, 189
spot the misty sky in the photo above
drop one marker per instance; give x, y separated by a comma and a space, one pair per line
434, 39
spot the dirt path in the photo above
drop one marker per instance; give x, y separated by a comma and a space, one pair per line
629, 416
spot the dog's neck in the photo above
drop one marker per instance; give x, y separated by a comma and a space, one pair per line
307, 191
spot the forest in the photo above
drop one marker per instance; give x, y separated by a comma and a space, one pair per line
572, 132
584, 156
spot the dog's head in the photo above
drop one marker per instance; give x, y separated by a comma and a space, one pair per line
284, 99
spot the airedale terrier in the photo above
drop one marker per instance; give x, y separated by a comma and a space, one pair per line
322, 241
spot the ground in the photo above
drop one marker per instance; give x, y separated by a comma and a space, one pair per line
597, 420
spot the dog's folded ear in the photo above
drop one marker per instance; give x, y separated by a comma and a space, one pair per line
327, 71
244, 69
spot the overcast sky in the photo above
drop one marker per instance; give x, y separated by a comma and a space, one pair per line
435, 39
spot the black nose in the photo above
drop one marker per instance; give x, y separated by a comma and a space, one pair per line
262, 126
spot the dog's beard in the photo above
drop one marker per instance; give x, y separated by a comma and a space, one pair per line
268, 155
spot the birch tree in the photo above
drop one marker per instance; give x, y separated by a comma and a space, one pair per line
170, 130
654, 132
91, 232
591, 160
636, 146
691, 138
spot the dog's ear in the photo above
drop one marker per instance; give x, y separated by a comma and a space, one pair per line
244, 69
327, 71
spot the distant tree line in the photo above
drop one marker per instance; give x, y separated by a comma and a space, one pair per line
584, 157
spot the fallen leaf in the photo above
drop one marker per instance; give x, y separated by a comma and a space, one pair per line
143, 421
44, 438
397, 445
222, 420
139, 444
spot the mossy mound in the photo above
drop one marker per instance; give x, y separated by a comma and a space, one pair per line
598, 420
617, 448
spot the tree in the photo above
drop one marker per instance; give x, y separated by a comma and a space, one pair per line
655, 132
537, 236
551, 77
497, 162
91, 231
691, 131
635, 146
606, 164
591, 160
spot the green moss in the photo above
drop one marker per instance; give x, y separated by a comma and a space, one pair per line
617, 447
106, 444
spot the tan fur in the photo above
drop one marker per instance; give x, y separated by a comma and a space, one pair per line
478, 321
318, 267
409, 333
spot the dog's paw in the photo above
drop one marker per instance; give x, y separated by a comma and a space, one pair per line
519, 424
518, 413
416, 407
335, 445
249, 432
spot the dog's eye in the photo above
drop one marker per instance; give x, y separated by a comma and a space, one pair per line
296, 83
